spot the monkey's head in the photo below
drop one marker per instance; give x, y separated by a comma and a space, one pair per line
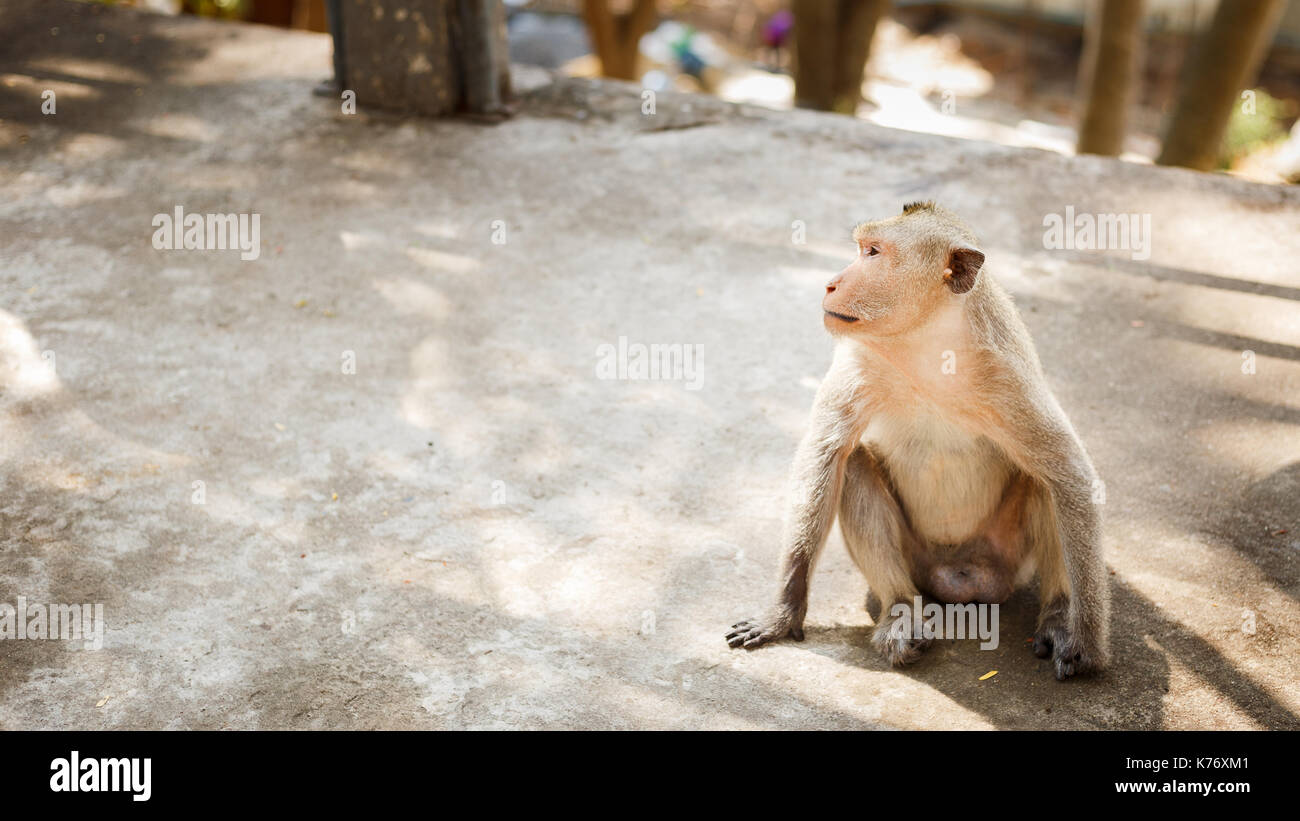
906, 267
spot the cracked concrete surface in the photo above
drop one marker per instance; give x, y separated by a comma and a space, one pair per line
472, 530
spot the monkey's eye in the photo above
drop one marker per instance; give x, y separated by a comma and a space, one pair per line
870, 250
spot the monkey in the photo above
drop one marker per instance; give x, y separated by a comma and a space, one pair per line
936, 442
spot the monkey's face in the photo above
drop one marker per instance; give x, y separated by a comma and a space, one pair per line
905, 267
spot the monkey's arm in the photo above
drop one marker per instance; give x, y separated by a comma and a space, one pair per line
1048, 449
838, 419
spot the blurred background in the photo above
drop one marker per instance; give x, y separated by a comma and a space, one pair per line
1037, 73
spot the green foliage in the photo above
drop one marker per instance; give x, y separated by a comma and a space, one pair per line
225, 9
228, 9
1249, 131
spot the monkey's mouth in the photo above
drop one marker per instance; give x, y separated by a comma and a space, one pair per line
842, 317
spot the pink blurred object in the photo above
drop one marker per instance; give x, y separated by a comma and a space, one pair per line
777, 28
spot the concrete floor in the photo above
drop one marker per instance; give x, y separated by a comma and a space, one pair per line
472, 530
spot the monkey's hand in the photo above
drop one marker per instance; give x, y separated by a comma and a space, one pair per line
753, 633
1071, 655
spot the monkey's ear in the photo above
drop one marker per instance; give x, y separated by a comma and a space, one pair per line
963, 265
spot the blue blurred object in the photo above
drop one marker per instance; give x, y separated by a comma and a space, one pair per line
689, 62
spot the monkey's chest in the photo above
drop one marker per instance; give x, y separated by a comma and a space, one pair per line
948, 479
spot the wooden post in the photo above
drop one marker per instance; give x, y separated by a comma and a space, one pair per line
1225, 60
431, 57
1112, 51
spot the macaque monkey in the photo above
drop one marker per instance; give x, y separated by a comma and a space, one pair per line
936, 441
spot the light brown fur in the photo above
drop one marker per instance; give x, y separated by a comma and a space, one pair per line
957, 482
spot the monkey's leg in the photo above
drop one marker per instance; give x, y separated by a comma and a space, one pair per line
1045, 446
1053, 581
1072, 622
818, 479
819, 475
880, 540
838, 419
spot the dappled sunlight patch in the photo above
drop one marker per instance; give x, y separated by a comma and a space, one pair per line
1181, 708
25, 370
37, 86
1188, 582
26, 184
362, 240
443, 261
82, 193
179, 127
935, 60
438, 230
404, 467
224, 177
374, 163
566, 574
88, 68
88, 147
349, 191
1251, 447
409, 297
265, 511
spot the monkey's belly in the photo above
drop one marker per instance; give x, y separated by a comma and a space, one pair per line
948, 480
962, 503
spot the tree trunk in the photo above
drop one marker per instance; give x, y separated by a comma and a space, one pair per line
424, 56
1225, 60
617, 37
833, 42
858, 19
1111, 58
815, 23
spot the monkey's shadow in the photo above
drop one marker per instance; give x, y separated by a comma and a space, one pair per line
1024, 694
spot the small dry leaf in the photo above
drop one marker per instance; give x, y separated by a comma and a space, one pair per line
102, 702
302, 303
328, 313
990, 674
334, 497
278, 426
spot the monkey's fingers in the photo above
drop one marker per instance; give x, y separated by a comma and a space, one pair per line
1069, 665
1042, 647
749, 634
1070, 658
740, 631
1051, 633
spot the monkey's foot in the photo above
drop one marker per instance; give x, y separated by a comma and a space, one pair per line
1069, 656
1051, 631
895, 642
752, 633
